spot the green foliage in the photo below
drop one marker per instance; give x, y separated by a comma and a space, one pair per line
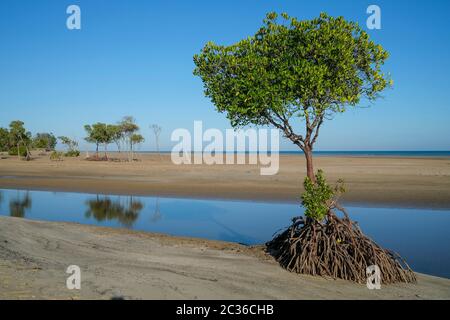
45, 141
72, 153
19, 137
71, 146
18, 133
128, 126
136, 139
129, 130
22, 151
117, 134
292, 68
4, 140
318, 196
102, 133
99, 133
56, 156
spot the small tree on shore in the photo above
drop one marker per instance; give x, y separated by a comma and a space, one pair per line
71, 146
129, 128
309, 70
100, 134
156, 131
45, 141
117, 135
135, 139
19, 137
4, 140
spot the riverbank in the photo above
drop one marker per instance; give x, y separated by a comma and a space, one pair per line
381, 181
135, 265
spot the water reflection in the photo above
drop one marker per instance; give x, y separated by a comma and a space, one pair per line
125, 210
156, 216
19, 204
419, 235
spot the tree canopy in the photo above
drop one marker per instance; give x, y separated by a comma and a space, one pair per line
20, 137
45, 141
4, 140
100, 133
290, 70
71, 145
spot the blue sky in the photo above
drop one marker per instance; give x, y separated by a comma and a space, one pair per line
135, 58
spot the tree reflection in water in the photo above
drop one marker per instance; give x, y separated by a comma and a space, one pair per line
126, 211
18, 205
156, 216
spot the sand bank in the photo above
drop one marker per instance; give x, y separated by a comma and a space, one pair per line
34, 256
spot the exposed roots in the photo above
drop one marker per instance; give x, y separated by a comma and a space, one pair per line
336, 248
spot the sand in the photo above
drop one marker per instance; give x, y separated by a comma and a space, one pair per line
378, 181
115, 263
120, 263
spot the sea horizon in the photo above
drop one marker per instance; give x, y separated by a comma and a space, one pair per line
361, 153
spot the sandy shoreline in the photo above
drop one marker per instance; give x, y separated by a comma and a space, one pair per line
135, 265
378, 181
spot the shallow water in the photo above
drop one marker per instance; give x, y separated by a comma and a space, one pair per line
421, 236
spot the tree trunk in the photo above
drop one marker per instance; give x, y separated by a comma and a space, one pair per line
131, 150
28, 153
96, 150
18, 151
309, 164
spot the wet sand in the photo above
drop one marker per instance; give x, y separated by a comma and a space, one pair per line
116, 263
378, 181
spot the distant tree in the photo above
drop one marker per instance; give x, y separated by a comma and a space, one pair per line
45, 141
129, 128
71, 145
4, 140
19, 136
100, 133
117, 135
157, 131
135, 139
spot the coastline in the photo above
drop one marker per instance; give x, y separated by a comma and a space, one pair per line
137, 265
372, 181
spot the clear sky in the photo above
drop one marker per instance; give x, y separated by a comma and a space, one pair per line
135, 58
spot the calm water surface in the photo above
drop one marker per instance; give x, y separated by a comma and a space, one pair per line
421, 236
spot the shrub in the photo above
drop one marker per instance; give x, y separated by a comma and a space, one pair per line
22, 151
72, 153
56, 156
318, 196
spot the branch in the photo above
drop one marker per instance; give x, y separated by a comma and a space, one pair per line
287, 130
317, 129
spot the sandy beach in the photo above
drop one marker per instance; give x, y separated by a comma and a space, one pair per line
117, 263
379, 181
135, 265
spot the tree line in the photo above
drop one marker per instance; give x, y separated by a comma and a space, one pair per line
17, 140
125, 135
